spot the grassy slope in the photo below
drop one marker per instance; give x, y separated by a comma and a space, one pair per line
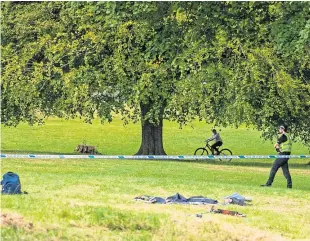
93, 200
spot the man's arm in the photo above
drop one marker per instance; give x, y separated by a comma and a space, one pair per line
211, 138
281, 139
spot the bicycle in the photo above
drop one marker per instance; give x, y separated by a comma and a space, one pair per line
223, 152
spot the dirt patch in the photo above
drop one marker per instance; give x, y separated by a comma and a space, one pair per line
251, 233
217, 227
14, 220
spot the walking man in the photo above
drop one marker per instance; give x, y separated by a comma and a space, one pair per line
284, 145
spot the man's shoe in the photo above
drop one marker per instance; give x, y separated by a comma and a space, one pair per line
289, 186
265, 185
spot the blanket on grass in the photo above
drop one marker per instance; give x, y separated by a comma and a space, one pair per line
178, 199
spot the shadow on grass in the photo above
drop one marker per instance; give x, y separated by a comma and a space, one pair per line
248, 163
263, 164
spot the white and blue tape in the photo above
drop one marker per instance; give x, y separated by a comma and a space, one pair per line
145, 157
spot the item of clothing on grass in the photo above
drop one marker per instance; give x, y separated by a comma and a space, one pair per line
201, 200
221, 211
227, 212
150, 199
238, 199
178, 199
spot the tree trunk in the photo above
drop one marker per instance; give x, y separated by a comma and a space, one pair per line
152, 135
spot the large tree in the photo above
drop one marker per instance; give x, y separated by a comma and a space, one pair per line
227, 63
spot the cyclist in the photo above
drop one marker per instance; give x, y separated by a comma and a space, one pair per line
218, 141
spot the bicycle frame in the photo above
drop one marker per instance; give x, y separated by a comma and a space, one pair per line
210, 149
204, 151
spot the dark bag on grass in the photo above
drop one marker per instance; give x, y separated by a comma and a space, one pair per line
10, 184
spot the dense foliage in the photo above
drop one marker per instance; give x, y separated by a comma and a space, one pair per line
224, 62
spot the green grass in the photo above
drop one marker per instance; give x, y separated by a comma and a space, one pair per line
93, 199
61, 136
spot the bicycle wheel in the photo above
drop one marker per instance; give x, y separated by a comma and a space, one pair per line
225, 152
201, 152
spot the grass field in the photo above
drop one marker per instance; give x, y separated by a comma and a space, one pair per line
93, 199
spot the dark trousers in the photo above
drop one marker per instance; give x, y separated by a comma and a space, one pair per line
215, 145
283, 163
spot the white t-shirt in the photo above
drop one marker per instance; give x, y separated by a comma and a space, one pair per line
216, 137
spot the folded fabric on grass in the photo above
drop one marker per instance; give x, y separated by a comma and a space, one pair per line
178, 199
238, 199
150, 199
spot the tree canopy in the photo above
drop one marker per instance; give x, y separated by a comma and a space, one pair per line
228, 63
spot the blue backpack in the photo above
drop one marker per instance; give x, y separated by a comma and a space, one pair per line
10, 184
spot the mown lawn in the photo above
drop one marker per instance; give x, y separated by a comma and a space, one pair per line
93, 199
61, 136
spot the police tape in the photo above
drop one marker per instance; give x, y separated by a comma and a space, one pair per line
148, 157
